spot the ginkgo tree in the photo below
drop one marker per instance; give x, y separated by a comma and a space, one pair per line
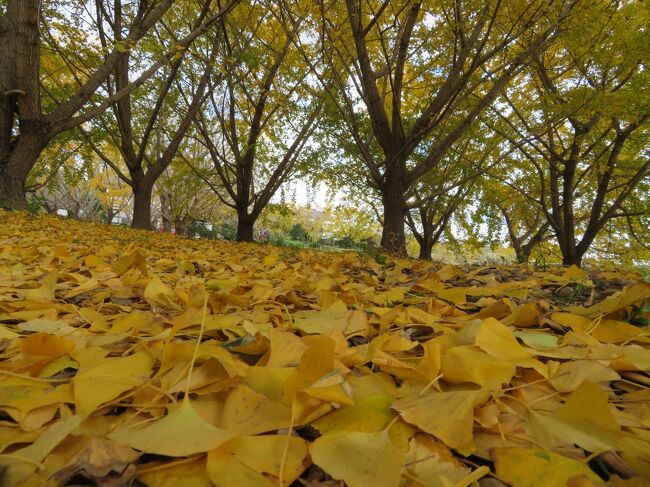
183, 195
585, 122
262, 112
32, 111
411, 77
149, 125
499, 207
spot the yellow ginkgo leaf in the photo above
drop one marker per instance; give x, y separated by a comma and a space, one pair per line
532, 467
61, 363
470, 364
286, 349
432, 463
135, 258
110, 378
359, 459
84, 287
46, 345
448, 416
180, 433
177, 473
158, 294
574, 273
317, 361
369, 415
46, 291
21, 463
258, 461
495, 338
570, 375
332, 387
249, 413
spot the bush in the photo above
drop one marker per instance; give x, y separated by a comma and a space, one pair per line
228, 231
35, 204
297, 232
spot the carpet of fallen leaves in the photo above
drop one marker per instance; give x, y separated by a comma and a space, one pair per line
132, 357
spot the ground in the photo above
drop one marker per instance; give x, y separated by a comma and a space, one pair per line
162, 360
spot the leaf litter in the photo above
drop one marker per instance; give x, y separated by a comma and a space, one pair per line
129, 357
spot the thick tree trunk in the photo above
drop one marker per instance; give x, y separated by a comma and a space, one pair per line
392, 236
12, 191
245, 225
523, 254
142, 206
571, 255
20, 160
21, 144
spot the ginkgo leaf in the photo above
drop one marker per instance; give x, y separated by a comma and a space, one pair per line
160, 295
531, 467
432, 463
20, 463
369, 415
248, 413
470, 364
446, 415
258, 460
176, 473
180, 433
496, 339
332, 388
135, 258
46, 345
359, 459
286, 349
570, 375
584, 419
84, 287
110, 378
317, 361
46, 291
61, 363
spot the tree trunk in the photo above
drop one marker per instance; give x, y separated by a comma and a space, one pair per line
12, 191
244, 227
426, 246
392, 236
166, 224
21, 144
180, 225
166, 212
571, 257
142, 206
523, 254
18, 163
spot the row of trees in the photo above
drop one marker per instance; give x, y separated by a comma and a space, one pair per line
533, 114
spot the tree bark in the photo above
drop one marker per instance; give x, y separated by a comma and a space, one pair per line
166, 212
142, 205
392, 236
12, 191
572, 258
180, 225
426, 246
523, 254
245, 225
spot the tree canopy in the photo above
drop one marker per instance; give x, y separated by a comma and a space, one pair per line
481, 122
